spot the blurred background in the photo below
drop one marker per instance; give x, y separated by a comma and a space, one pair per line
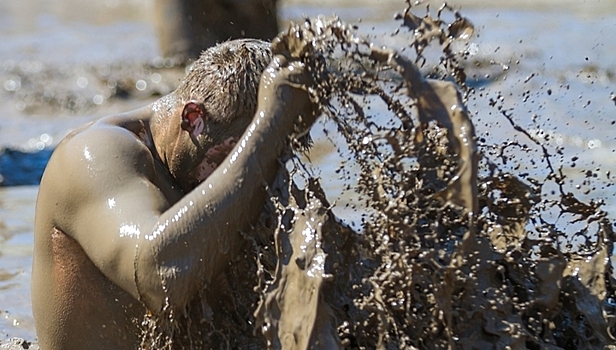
552, 63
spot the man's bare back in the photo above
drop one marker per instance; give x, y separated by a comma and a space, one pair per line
139, 212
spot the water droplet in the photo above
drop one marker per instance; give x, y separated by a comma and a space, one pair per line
141, 85
82, 82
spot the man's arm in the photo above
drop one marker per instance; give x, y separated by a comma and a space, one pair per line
230, 199
99, 188
157, 252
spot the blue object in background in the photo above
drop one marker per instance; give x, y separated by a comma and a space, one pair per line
18, 168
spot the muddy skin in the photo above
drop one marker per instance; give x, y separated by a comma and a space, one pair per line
119, 232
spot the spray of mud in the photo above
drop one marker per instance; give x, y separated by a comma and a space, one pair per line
455, 252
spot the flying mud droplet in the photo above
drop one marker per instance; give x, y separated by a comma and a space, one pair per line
461, 28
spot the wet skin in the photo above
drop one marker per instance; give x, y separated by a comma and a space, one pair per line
118, 236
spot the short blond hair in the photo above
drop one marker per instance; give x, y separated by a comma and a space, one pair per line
226, 78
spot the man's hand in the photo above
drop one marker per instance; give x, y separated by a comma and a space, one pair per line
287, 85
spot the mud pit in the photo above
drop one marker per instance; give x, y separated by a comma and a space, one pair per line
456, 252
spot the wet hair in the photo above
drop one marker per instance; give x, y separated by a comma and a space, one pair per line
226, 77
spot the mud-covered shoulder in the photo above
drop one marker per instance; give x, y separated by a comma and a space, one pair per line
101, 149
92, 163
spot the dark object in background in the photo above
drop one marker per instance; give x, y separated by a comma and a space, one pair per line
18, 168
187, 27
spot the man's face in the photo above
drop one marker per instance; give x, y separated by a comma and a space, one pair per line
204, 142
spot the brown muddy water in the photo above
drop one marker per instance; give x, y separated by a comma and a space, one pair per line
530, 269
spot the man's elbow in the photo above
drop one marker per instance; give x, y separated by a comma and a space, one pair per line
166, 284
148, 281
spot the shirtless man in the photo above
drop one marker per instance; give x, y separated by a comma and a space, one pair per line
137, 212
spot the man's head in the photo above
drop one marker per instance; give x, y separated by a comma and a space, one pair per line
211, 108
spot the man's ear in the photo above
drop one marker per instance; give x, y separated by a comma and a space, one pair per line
193, 118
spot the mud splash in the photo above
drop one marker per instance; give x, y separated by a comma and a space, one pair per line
456, 252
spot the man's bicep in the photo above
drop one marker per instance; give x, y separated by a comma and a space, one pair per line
112, 229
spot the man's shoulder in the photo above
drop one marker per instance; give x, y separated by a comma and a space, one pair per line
102, 139
96, 152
